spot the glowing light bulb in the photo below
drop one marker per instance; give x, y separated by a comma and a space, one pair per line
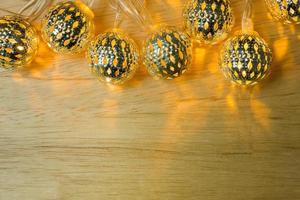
167, 53
246, 58
113, 57
287, 11
208, 21
68, 27
18, 42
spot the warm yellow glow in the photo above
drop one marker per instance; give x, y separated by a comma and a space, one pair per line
199, 57
75, 35
231, 103
20, 48
280, 48
261, 113
85, 8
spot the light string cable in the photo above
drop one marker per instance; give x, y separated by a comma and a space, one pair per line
247, 22
37, 8
136, 9
117, 8
34, 8
8, 11
90, 3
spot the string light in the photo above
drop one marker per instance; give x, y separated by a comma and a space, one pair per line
68, 27
246, 58
287, 11
18, 38
167, 51
208, 21
113, 56
18, 42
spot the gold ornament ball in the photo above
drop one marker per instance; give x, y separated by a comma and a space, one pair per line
246, 59
167, 53
113, 57
18, 42
68, 27
287, 11
208, 21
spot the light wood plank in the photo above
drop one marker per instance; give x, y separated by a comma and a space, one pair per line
64, 135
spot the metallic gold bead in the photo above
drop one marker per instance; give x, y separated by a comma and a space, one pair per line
68, 27
113, 57
167, 53
246, 58
208, 21
18, 42
287, 11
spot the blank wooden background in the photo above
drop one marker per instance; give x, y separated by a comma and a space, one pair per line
64, 135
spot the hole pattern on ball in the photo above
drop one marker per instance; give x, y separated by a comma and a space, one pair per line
18, 42
67, 28
168, 53
113, 57
246, 59
208, 21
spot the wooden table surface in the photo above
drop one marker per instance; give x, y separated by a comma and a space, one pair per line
64, 135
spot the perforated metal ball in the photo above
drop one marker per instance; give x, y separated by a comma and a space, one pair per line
288, 11
208, 21
113, 57
18, 42
68, 27
246, 59
167, 53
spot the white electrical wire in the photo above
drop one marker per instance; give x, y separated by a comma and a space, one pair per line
90, 3
118, 19
7, 11
136, 9
247, 22
36, 8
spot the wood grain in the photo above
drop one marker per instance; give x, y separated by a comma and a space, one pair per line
64, 135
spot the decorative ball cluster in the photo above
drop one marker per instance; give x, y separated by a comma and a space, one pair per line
287, 11
18, 42
246, 58
113, 57
208, 21
167, 53
68, 27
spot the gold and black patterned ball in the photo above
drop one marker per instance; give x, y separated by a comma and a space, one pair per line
68, 27
208, 21
167, 53
18, 42
113, 57
246, 58
287, 11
